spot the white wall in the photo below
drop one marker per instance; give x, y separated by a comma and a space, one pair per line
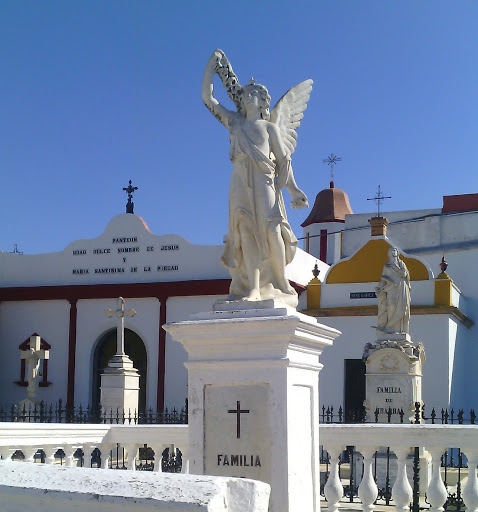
92, 323
334, 239
436, 332
176, 379
19, 320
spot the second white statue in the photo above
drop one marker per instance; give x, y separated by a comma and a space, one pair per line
260, 242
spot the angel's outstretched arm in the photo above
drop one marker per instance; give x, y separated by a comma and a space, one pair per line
285, 174
220, 112
298, 198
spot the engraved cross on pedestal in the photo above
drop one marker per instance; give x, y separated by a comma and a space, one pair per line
120, 313
238, 411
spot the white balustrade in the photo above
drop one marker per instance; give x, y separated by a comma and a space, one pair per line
333, 489
402, 492
367, 438
470, 492
368, 490
401, 439
436, 493
30, 437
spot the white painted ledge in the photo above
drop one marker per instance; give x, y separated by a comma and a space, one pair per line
45, 488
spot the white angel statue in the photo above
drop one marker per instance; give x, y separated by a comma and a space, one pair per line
260, 241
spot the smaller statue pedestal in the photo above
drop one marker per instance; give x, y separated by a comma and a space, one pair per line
394, 383
27, 405
393, 378
119, 387
253, 396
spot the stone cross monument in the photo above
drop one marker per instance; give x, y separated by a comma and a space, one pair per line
33, 357
120, 380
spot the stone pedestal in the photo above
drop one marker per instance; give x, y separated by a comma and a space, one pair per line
119, 387
393, 378
253, 397
27, 405
394, 381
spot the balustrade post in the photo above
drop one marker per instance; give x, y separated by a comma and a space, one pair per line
50, 454
368, 490
5, 455
436, 493
333, 489
131, 450
29, 453
158, 457
470, 492
69, 454
402, 492
105, 449
87, 451
184, 459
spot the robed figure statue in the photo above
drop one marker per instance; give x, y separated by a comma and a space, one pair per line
260, 241
393, 293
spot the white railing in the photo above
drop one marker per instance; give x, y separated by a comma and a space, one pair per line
31, 437
401, 439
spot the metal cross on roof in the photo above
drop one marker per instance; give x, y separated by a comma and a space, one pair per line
15, 250
379, 198
332, 160
129, 190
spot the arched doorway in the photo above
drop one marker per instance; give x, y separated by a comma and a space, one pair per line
106, 349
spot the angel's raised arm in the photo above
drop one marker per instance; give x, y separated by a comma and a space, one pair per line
214, 64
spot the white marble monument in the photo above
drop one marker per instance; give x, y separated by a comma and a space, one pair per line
393, 362
260, 241
33, 357
253, 362
120, 380
253, 391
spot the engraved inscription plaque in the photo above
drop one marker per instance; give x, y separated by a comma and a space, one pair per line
237, 431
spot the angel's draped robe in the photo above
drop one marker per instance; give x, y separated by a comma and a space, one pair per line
255, 201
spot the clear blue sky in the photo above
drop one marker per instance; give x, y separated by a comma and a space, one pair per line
94, 93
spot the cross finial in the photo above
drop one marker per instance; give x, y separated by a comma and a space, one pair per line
252, 81
15, 250
332, 160
129, 190
120, 313
379, 198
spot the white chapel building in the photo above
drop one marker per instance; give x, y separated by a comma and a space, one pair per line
444, 304
63, 297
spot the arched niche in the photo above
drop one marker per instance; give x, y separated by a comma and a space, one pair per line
106, 348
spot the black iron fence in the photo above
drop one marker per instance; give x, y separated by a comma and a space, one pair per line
435, 417
453, 461
59, 413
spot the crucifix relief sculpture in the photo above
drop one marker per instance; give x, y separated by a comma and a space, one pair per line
33, 357
260, 242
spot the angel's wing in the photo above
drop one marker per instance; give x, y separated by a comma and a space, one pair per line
288, 112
